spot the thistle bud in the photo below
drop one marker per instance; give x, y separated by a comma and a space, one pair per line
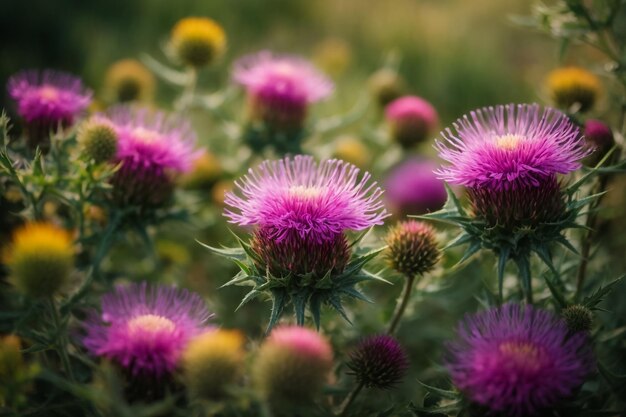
573, 88
412, 248
578, 318
379, 362
599, 137
291, 368
129, 80
98, 140
386, 85
213, 361
411, 120
197, 41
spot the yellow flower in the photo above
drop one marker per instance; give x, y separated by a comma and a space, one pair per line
573, 86
197, 41
129, 80
213, 361
40, 259
205, 172
351, 149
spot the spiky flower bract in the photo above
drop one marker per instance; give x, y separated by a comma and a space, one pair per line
145, 328
573, 88
379, 361
412, 248
197, 41
153, 148
518, 360
128, 80
411, 120
40, 259
599, 137
411, 187
46, 100
291, 368
98, 139
212, 362
578, 318
280, 88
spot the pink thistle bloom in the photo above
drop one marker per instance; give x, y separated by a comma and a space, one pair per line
518, 360
297, 197
301, 341
152, 147
411, 187
280, 87
508, 146
49, 97
411, 120
145, 328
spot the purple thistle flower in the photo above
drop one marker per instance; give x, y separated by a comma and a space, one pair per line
411, 187
297, 197
518, 360
508, 146
280, 87
411, 119
145, 328
379, 361
50, 96
152, 147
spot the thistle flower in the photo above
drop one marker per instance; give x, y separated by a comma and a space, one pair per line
46, 100
129, 80
98, 139
412, 248
578, 318
213, 361
379, 361
411, 187
280, 88
518, 360
411, 120
352, 150
145, 328
505, 147
40, 259
386, 85
296, 197
598, 137
197, 41
571, 87
153, 148
291, 367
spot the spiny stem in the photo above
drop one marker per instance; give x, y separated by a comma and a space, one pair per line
61, 339
349, 400
405, 296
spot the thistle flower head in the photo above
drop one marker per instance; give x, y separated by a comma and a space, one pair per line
50, 97
40, 259
129, 80
379, 361
411, 120
352, 150
213, 361
197, 41
505, 147
299, 198
578, 318
411, 187
573, 86
98, 139
145, 328
292, 366
598, 137
412, 248
152, 147
280, 87
518, 360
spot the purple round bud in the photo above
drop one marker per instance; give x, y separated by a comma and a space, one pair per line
379, 362
411, 120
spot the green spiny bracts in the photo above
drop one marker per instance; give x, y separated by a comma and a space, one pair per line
412, 248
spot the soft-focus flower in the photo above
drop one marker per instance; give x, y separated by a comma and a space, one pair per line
129, 80
297, 197
505, 147
205, 172
40, 259
599, 137
98, 139
518, 360
386, 85
578, 318
379, 361
292, 366
213, 361
280, 88
573, 86
411, 120
153, 147
333, 55
48, 99
351, 149
145, 328
412, 248
197, 41
412, 187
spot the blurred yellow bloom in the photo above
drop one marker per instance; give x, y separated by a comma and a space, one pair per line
573, 86
351, 149
333, 55
205, 172
197, 41
129, 80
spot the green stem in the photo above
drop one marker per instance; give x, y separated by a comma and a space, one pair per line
403, 301
349, 400
61, 339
